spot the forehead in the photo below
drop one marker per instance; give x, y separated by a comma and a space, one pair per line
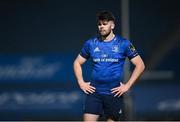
104, 21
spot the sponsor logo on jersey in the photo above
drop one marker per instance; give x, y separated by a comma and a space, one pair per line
104, 55
132, 48
105, 60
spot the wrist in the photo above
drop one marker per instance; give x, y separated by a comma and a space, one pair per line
81, 81
128, 84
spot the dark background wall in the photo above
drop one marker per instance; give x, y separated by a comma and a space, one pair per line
42, 37
50, 25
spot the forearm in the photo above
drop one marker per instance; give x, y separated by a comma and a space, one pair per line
78, 72
135, 74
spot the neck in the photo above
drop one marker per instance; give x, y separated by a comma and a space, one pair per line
109, 37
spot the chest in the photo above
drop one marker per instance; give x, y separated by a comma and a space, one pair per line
107, 51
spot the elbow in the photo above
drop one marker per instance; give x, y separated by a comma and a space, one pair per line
74, 64
143, 66
140, 66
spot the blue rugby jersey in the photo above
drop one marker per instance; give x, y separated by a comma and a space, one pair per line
108, 59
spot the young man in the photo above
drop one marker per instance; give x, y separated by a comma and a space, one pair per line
108, 53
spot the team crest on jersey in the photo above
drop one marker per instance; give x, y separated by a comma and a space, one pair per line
115, 48
96, 49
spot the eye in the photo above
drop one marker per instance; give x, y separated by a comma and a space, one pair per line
102, 23
99, 23
105, 23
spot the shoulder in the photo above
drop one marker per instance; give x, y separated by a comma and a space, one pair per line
92, 40
122, 41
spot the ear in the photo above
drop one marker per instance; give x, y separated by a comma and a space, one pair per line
112, 26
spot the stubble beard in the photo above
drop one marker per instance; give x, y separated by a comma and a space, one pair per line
105, 34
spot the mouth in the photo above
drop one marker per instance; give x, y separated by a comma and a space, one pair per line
102, 31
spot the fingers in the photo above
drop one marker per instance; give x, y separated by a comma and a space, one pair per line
115, 90
85, 92
118, 91
89, 89
92, 87
118, 94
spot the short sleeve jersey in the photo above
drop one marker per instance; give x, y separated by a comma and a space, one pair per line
107, 61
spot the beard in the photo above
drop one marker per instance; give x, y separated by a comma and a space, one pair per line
104, 33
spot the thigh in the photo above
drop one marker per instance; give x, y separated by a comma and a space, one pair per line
93, 104
90, 117
113, 107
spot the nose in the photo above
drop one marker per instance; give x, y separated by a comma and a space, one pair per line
101, 26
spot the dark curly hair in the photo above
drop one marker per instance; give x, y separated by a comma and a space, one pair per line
105, 15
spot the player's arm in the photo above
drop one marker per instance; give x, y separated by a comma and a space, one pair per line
86, 87
139, 68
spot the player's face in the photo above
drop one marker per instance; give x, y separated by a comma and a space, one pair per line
105, 27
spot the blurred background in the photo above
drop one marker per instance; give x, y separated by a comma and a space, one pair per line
39, 40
